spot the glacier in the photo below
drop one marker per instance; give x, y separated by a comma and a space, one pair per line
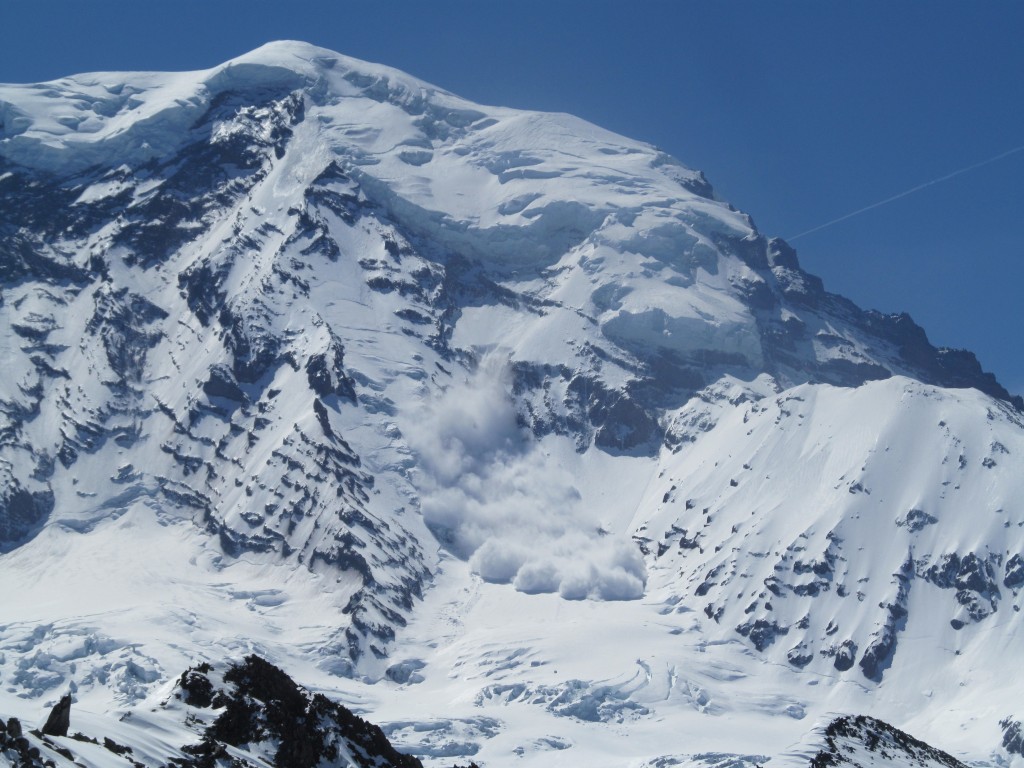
499, 428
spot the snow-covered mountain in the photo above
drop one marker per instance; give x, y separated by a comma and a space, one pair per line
500, 428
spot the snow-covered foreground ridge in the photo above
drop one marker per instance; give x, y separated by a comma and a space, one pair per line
494, 425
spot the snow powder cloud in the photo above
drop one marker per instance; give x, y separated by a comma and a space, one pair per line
494, 498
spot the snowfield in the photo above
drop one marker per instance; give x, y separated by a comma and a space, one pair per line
500, 430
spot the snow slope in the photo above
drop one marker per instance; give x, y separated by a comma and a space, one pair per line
496, 426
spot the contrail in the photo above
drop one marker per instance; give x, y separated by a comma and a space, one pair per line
910, 191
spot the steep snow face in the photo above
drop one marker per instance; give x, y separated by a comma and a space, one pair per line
884, 500
308, 358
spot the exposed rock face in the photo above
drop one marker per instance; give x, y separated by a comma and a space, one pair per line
59, 720
258, 707
1013, 736
861, 740
15, 748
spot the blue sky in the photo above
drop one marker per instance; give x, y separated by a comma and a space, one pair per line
798, 112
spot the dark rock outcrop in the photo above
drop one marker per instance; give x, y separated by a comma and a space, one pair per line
260, 705
59, 721
15, 749
1013, 736
846, 737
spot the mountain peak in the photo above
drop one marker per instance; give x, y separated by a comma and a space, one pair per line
104, 119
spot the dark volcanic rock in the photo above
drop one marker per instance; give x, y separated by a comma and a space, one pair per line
59, 721
15, 749
886, 745
762, 633
1014, 578
196, 688
260, 705
22, 512
845, 655
221, 383
1013, 736
880, 652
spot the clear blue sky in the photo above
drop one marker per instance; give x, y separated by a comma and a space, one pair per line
798, 112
